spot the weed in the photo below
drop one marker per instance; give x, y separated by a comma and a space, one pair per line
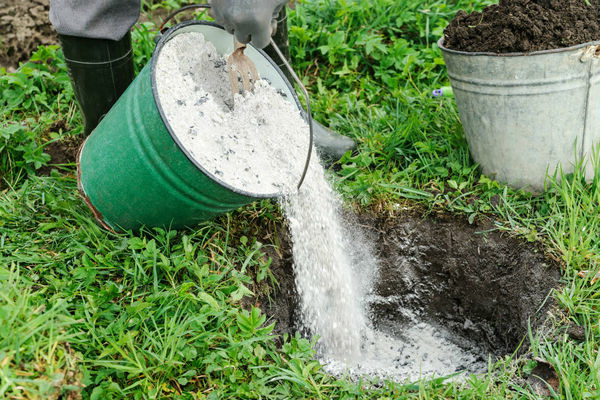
32, 99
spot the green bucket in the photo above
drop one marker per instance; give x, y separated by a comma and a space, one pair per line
132, 170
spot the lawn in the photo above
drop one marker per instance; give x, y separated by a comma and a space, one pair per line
86, 313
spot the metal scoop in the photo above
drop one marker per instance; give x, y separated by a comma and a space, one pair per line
241, 69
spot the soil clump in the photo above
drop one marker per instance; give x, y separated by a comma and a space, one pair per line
61, 151
515, 26
24, 25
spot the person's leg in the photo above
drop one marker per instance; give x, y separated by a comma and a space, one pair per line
106, 19
96, 43
331, 145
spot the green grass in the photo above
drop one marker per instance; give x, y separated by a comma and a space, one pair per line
157, 314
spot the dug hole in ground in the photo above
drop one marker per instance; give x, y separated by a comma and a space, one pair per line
401, 297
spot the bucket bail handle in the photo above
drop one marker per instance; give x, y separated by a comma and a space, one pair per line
180, 10
289, 68
308, 112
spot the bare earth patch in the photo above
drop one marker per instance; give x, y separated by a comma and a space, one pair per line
24, 25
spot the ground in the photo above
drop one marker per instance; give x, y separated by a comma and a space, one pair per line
453, 262
151, 313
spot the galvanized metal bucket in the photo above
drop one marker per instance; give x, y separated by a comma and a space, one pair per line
525, 114
132, 169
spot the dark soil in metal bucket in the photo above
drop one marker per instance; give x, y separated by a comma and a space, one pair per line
463, 288
514, 26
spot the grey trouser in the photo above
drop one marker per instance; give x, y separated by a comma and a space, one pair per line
95, 19
112, 19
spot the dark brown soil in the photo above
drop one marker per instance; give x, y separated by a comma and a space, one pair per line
24, 25
62, 151
484, 286
282, 306
525, 26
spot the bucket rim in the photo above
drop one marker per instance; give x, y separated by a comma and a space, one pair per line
163, 39
440, 44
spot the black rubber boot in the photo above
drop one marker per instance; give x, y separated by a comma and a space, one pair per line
331, 145
100, 71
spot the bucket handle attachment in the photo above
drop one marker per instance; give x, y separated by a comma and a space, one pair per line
590, 52
289, 68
